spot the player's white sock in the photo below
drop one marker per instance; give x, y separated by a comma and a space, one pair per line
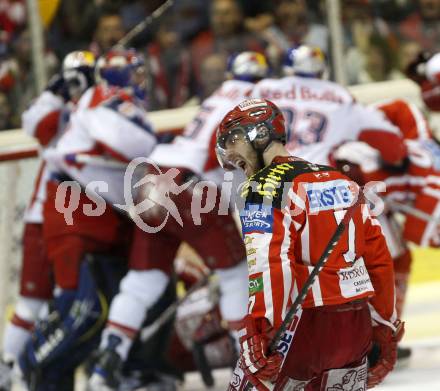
15, 338
234, 296
139, 290
19, 329
234, 291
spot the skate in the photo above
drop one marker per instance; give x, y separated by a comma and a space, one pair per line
106, 372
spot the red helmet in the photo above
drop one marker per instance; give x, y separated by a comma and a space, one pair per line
260, 121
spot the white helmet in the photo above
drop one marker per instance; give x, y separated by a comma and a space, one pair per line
248, 66
78, 72
432, 69
305, 61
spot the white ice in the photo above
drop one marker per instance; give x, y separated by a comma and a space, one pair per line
422, 334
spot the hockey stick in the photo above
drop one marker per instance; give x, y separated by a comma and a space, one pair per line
148, 331
97, 161
334, 240
399, 207
136, 30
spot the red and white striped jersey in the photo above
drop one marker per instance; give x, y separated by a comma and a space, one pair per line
107, 124
418, 186
407, 117
320, 115
292, 208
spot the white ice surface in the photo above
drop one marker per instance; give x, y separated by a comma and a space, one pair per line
422, 334
421, 374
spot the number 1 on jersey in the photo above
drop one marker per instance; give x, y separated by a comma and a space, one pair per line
350, 255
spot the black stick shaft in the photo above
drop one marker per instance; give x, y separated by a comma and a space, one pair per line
136, 30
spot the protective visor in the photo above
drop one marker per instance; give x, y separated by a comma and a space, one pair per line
253, 134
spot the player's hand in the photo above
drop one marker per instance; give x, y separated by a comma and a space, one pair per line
356, 159
387, 340
256, 364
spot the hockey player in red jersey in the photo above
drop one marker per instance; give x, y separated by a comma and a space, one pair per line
411, 189
321, 116
423, 149
109, 123
215, 238
352, 130
45, 119
425, 71
291, 209
412, 186
413, 126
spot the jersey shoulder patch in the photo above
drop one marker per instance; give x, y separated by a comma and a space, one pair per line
270, 186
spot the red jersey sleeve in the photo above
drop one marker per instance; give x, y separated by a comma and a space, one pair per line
408, 118
380, 268
423, 184
41, 119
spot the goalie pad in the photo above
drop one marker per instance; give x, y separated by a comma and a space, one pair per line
68, 334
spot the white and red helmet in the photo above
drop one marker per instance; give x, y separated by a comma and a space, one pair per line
78, 72
259, 121
248, 66
430, 86
305, 61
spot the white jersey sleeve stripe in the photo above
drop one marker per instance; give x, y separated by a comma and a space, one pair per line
422, 128
286, 263
316, 290
305, 244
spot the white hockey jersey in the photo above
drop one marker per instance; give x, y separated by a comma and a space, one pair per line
45, 119
192, 149
107, 126
321, 114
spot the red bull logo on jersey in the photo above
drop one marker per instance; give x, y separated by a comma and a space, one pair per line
336, 194
256, 218
303, 93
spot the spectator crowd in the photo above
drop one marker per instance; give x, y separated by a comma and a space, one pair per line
187, 48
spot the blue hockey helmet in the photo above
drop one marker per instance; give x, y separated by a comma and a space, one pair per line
123, 68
